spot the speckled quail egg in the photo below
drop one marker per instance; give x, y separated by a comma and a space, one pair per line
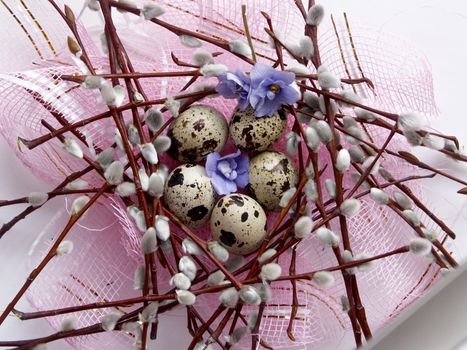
197, 132
270, 175
238, 222
251, 133
189, 194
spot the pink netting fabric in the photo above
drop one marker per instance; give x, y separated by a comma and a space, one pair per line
106, 241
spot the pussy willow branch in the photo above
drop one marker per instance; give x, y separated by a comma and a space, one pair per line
51, 254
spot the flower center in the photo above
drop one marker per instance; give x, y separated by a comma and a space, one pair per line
227, 169
275, 88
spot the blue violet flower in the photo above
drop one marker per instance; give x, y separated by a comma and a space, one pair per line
235, 85
266, 89
227, 172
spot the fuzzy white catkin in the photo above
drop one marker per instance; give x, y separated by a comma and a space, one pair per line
350, 207
149, 241
180, 281
113, 96
351, 96
413, 137
368, 162
410, 122
364, 114
323, 279
303, 227
270, 272
312, 139
327, 237
162, 143
236, 336
229, 297
287, 196
185, 297
327, 80
420, 246
202, 346
269, 253
149, 153
72, 147
190, 247
264, 291
240, 47
324, 131
215, 278
151, 11
343, 160
249, 295
307, 49
315, 15
379, 196
149, 313
106, 157
367, 266
252, 319
218, 251
140, 221
36, 199
77, 184
93, 82
345, 303
213, 70
109, 321
433, 142
403, 200
162, 227
78, 204
429, 234
292, 142
156, 185
143, 179
311, 191
298, 68
190, 41
412, 217
114, 173
173, 106
125, 189
188, 267
139, 277
235, 262
356, 154
68, 324
330, 187
154, 119
202, 57
133, 134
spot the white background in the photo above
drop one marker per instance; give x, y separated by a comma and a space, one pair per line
438, 28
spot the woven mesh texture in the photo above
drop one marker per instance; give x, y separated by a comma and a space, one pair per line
107, 243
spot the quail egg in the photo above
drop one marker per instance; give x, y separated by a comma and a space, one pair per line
189, 194
238, 223
270, 175
197, 132
251, 133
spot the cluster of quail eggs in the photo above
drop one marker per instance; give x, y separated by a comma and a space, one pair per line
238, 221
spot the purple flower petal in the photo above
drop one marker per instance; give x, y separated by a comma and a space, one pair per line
211, 163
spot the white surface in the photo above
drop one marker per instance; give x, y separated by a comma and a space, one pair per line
439, 28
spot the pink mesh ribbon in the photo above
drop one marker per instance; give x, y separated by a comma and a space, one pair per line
106, 242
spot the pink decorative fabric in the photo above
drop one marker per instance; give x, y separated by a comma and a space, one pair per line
107, 243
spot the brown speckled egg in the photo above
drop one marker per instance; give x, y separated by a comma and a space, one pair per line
250, 133
197, 132
238, 223
189, 194
270, 175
